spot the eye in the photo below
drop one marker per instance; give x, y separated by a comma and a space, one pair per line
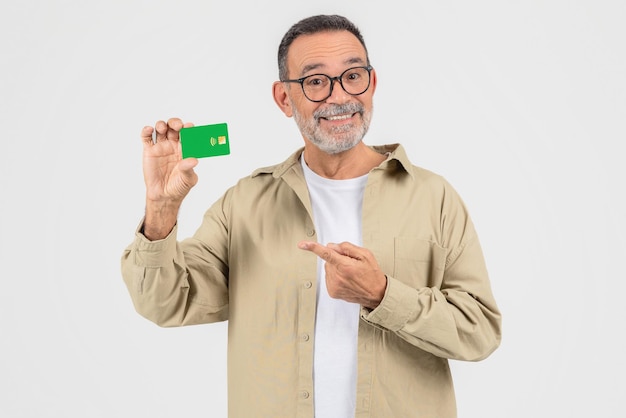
315, 81
355, 76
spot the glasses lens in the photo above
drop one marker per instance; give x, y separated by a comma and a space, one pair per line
316, 87
355, 80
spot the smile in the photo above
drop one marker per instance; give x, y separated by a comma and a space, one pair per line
339, 117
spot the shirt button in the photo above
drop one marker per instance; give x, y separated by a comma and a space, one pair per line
310, 232
304, 394
304, 337
307, 284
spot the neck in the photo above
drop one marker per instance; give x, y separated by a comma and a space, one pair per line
349, 164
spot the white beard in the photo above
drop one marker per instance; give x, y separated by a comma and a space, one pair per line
339, 139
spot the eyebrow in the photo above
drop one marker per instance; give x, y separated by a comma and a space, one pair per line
315, 66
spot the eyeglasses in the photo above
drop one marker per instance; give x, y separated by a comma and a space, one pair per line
319, 87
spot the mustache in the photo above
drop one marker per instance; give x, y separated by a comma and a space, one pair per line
338, 109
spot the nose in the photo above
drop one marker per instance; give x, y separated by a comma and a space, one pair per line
337, 95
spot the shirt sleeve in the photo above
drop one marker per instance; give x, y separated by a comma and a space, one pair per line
175, 283
459, 318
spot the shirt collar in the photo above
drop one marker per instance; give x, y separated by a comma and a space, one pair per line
396, 160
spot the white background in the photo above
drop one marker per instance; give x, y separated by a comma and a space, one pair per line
521, 105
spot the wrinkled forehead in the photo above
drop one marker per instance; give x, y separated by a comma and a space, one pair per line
328, 51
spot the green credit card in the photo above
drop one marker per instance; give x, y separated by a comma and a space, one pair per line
205, 141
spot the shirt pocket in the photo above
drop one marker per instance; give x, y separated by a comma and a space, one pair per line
418, 262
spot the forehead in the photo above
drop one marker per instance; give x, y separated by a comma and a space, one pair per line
325, 51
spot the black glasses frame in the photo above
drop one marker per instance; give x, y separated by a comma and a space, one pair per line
338, 78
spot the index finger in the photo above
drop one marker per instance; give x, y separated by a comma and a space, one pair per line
320, 250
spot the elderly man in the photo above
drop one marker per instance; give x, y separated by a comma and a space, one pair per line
348, 275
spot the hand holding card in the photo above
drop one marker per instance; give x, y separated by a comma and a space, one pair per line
205, 141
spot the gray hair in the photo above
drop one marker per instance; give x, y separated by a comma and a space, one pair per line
312, 25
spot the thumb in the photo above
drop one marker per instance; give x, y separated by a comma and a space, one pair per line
344, 248
187, 165
188, 176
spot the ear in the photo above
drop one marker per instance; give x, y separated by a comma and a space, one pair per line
281, 98
373, 80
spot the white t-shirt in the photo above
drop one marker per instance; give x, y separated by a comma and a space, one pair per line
337, 206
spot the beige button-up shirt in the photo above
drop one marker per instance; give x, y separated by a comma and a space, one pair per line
243, 265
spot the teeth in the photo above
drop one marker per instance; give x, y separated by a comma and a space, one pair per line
340, 117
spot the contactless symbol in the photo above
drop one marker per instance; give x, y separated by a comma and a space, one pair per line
213, 142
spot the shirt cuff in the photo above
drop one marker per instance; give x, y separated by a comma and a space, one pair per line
397, 307
154, 254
